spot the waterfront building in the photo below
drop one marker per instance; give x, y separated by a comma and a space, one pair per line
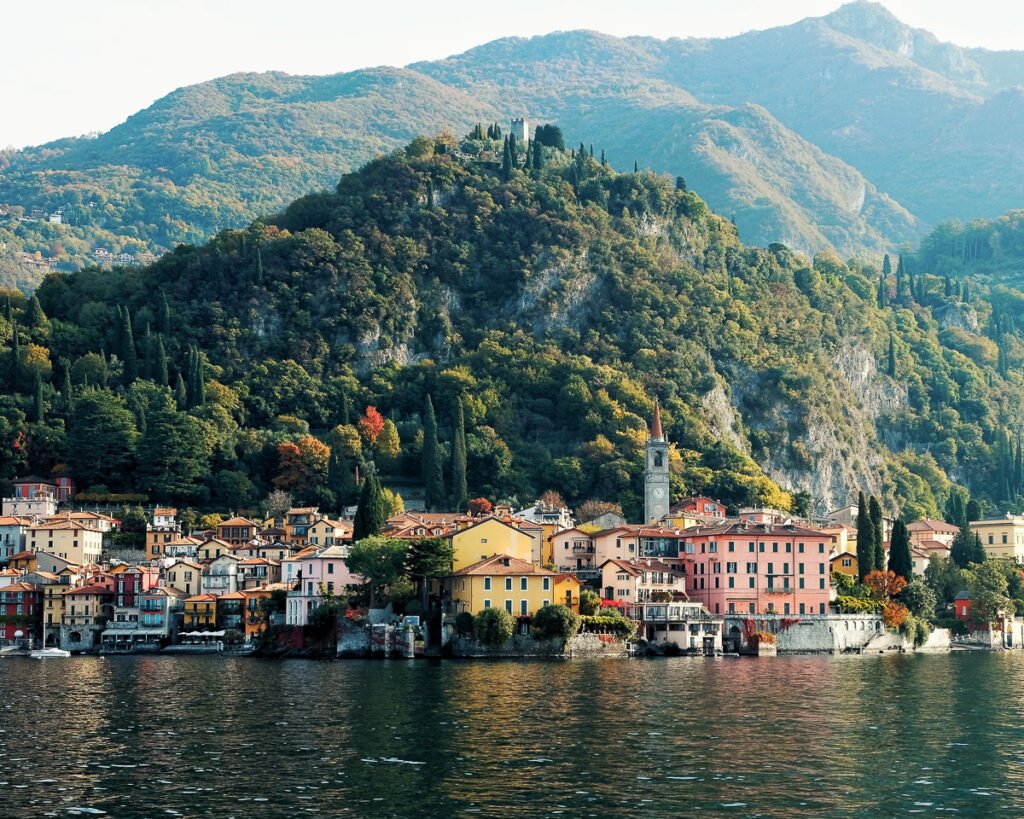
321, 572
200, 613
751, 568
220, 576
254, 572
567, 591
500, 581
573, 550
185, 576
20, 609
487, 537
628, 583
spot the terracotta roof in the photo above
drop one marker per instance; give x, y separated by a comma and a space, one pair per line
236, 521
561, 577
502, 565
933, 545
232, 596
9, 573
188, 563
303, 510
164, 512
22, 555
927, 525
202, 598
15, 520
91, 588
742, 529
256, 561
21, 587
60, 525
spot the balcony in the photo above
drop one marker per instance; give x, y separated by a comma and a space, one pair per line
787, 589
582, 548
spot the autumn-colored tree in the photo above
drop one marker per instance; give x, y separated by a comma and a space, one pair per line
371, 425
389, 447
894, 614
884, 585
480, 506
303, 464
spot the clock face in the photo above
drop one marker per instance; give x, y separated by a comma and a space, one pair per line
659, 492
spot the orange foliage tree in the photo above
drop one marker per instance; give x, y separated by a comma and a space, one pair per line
371, 425
884, 585
480, 506
302, 464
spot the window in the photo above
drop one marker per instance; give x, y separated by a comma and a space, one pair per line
990, 539
524, 583
546, 584
821, 608
801, 548
730, 568
775, 547
802, 606
487, 604
522, 608
1004, 539
750, 607
508, 606
732, 546
752, 582
821, 583
801, 582
330, 568
508, 584
800, 569
487, 586
771, 568
847, 562
821, 568
821, 548
785, 568
751, 568
786, 609
760, 547
732, 582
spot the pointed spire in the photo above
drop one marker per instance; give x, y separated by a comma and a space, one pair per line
656, 433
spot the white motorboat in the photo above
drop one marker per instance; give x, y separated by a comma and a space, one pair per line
43, 653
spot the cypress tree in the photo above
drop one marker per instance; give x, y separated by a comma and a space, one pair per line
161, 373
35, 317
966, 548
460, 492
604, 162
1018, 468
865, 539
165, 315
538, 156
372, 511
886, 266
433, 469
636, 166
196, 378
883, 291
877, 533
343, 415
126, 347
900, 560
949, 287
512, 155
181, 393
15, 360
38, 409
148, 354
891, 365
67, 394
506, 162
967, 294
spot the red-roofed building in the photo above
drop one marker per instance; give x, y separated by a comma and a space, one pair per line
21, 609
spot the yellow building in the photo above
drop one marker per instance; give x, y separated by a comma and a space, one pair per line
490, 537
502, 581
185, 576
567, 592
67, 539
212, 549
845, 563
53, 604
327, 532
1002, 537
201, 612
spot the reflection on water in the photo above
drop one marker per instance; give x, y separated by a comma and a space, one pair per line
793, 737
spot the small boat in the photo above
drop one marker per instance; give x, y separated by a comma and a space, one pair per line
43, 653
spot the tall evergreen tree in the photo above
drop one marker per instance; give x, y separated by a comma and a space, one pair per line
148, 354
372, 511
15, 360
900, 560
180, 393
164, 321
172, 453
966, 547
877, 533
38, 408
865, 539
126, 346
161, 373
513, 151
891, 363
883, 291
538, 156
433, 469
506, 162
460, 491
67, 394
34, 315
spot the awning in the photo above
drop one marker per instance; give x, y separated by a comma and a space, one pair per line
145, 632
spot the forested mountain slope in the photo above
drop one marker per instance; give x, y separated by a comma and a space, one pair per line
554, 303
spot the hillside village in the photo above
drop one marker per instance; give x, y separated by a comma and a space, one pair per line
688, 580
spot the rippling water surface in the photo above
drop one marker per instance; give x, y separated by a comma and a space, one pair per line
793, 737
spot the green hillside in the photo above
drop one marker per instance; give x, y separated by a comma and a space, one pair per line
554, 304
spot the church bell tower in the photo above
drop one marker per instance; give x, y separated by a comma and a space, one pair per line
656, 499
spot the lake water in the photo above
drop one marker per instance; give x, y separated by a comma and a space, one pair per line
792, 737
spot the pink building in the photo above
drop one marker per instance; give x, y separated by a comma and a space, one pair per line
628, 583
321, 573
744, 568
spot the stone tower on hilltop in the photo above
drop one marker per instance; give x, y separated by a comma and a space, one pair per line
520, 129
656, 498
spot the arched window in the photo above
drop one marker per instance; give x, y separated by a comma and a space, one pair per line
657, 459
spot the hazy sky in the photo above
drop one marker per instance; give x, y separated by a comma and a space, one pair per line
73, 67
